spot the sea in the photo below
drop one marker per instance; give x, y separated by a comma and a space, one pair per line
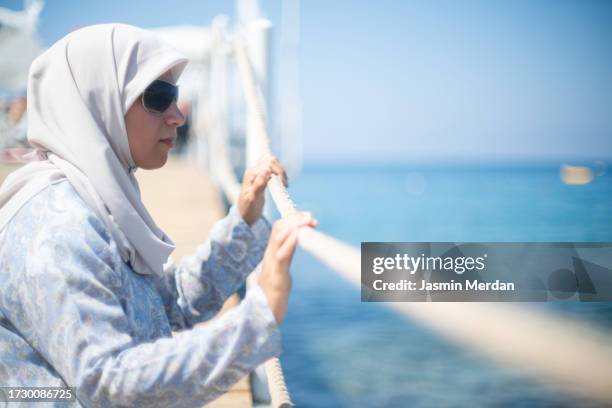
340, 352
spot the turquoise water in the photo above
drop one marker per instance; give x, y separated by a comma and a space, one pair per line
341, 352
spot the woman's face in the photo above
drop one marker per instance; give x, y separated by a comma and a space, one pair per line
151, 137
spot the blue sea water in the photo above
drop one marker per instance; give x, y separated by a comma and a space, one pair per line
339, 352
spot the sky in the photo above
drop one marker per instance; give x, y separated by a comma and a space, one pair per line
412, 81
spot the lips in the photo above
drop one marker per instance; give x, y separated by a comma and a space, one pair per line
169, 141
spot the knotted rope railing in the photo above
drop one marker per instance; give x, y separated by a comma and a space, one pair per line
277, 388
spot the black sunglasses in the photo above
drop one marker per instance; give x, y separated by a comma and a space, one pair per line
158, 96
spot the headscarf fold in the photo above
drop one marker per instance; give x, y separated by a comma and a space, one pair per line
79, 91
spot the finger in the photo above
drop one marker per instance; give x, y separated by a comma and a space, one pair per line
292, 221
285, 180
252, 172
249, 178
276, 167
279, 171
304, 217
313, 222
261, 181
298, 217
308, 222
287, 249
281, 233
249, 175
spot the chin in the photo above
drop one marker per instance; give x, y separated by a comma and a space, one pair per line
156, 164
162, 162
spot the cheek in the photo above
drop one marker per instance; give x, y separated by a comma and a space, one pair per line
143, 134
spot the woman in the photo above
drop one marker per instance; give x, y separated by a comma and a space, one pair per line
89, 295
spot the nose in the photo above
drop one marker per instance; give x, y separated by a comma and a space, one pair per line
174, 116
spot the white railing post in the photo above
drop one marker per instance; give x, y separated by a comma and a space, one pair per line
258, 46
218, 87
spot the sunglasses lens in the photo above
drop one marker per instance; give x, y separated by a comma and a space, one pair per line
159, 96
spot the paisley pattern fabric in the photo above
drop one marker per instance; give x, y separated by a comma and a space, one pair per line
72, 313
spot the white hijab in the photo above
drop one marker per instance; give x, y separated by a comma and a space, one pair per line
79, 91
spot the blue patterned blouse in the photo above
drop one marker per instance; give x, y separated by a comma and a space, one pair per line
72, 313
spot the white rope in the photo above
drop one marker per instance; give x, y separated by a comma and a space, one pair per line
549, 347
555, 350
277, 387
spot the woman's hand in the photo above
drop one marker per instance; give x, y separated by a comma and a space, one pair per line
252, 198
275, 279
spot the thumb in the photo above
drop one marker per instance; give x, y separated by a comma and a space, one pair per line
287, 249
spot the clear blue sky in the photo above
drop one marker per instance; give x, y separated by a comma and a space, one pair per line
419, 80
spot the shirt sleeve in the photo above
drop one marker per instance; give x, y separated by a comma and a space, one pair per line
194, 290
72, 313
